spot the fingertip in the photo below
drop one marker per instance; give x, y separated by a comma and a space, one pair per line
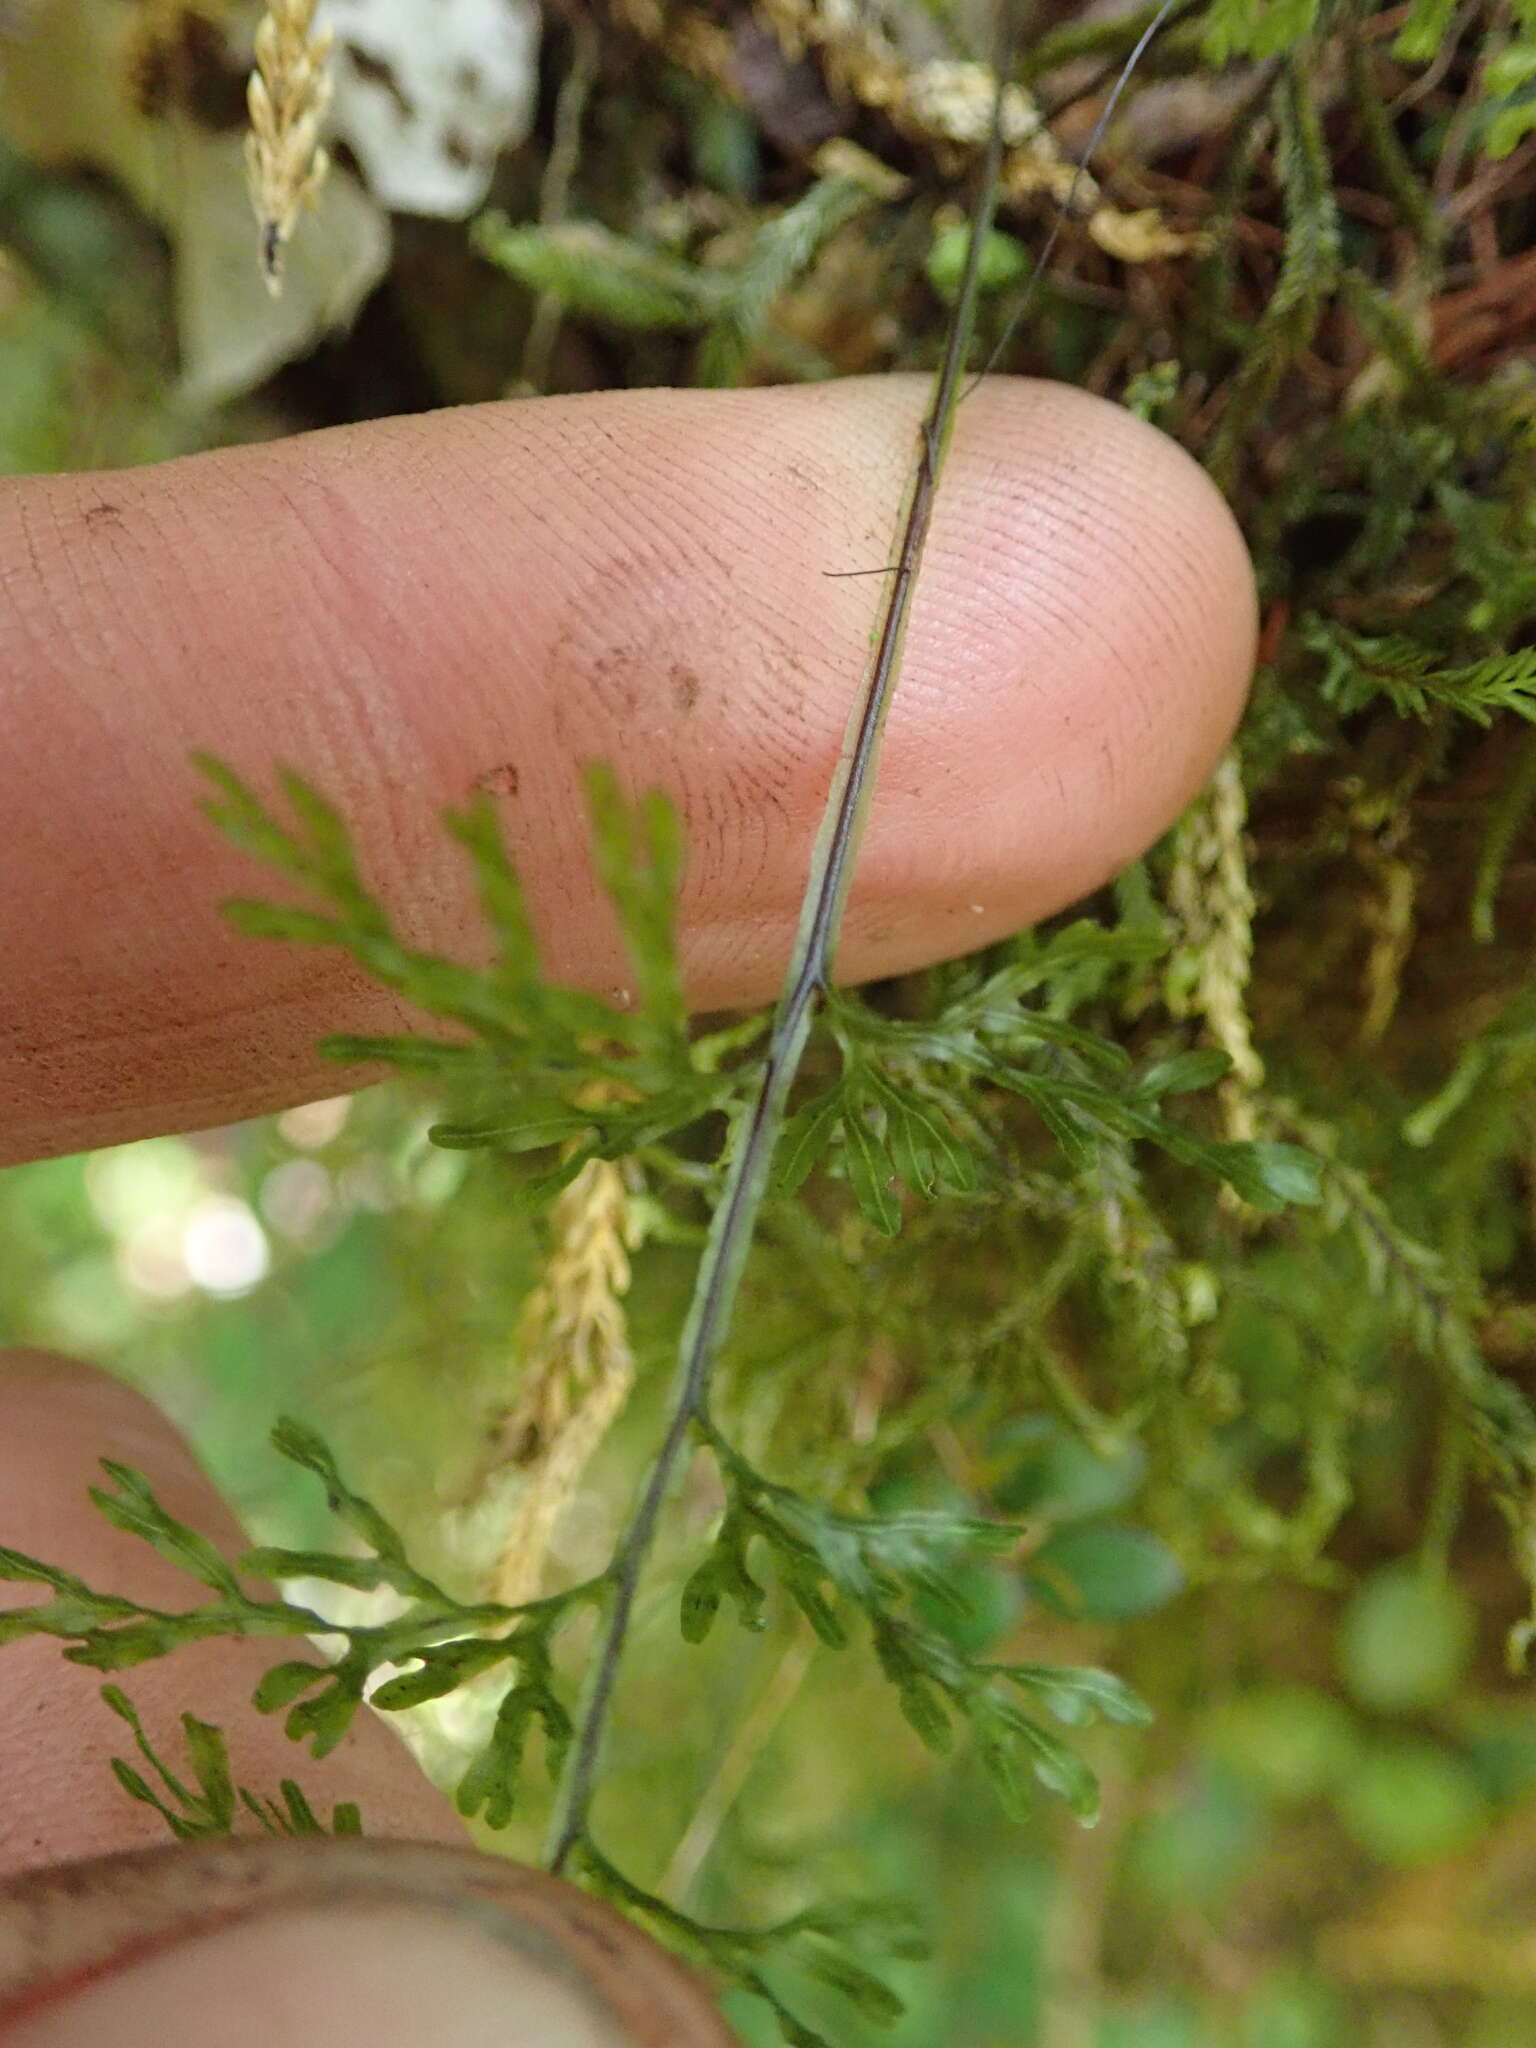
336, 1944
1081, 651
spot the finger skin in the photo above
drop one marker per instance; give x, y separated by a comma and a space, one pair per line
493, 596
80, 1948
58, 1798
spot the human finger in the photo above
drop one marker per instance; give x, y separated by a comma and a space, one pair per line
331, 1945
108, 1934
493, 596
58, 1797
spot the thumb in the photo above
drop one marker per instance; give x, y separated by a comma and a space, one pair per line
339, 1944
240, 1943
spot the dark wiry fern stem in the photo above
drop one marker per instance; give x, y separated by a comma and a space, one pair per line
757, 1134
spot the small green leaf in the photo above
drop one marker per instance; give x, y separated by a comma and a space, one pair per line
301, 1446
781, 248
525, 1130
701, 1601
136, 1642
362, 1574
736, 1582
209, 1757
1242, 28
297, 1811
1184, 1073
805, 1590
1004, 261
912, 1152
324, 1719
18, 1568
478, 830
925, 1712
285, 1683
638, 851
998, 1748
1289, 1174
489, 1786
870, 1175
1426, 28
137, 1788
862, 1989
924, 1150
328, 846
1075, 1694
1061, 1770
135, 1510
442, 1670
1065, 1123
805, 1140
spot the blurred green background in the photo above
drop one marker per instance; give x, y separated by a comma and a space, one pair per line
1328, 1836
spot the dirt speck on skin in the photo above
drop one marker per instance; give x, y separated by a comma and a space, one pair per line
685, 686
502, 780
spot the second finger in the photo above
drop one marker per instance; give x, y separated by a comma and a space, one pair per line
58, 1798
